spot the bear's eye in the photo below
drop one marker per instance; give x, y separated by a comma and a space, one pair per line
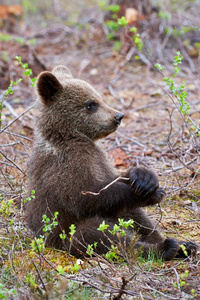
91, 106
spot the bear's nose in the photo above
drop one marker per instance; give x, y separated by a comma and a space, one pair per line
118, 118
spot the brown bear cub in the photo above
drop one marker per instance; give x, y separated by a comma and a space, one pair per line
66, 162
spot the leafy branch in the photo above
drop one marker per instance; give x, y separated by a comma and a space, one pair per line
179, 90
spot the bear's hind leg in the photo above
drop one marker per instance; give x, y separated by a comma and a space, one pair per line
151, 238
145, 227
166, 250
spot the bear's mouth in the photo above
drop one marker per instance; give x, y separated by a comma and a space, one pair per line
109, 129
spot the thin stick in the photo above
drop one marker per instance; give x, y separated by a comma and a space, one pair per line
18, 135
44, 287
10, 185
2, 130
181, 167
114, 95
131, 139
10, 160
177, 278
170, 145
124, 283
8, 145
157, 291
107, 186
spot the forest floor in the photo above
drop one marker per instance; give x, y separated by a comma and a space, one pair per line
153, 133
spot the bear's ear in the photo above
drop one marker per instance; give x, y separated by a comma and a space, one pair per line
62, 73
47, 86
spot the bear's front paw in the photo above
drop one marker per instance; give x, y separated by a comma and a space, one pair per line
157, 197
143, 182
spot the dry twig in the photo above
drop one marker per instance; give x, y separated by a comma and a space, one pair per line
107, 186
24, 112
10, 160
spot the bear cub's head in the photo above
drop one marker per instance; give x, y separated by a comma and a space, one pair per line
72, 106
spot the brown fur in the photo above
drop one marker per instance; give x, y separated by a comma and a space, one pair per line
66, 161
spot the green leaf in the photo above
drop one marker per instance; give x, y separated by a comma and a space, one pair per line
110, 36
159, 67
112, 25
102, 227
75, 267
60, 270
133, 29
114, 8
18, 58
117, 46
33, 80
123, 22
28, 72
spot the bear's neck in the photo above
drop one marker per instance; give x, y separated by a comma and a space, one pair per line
52, 139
